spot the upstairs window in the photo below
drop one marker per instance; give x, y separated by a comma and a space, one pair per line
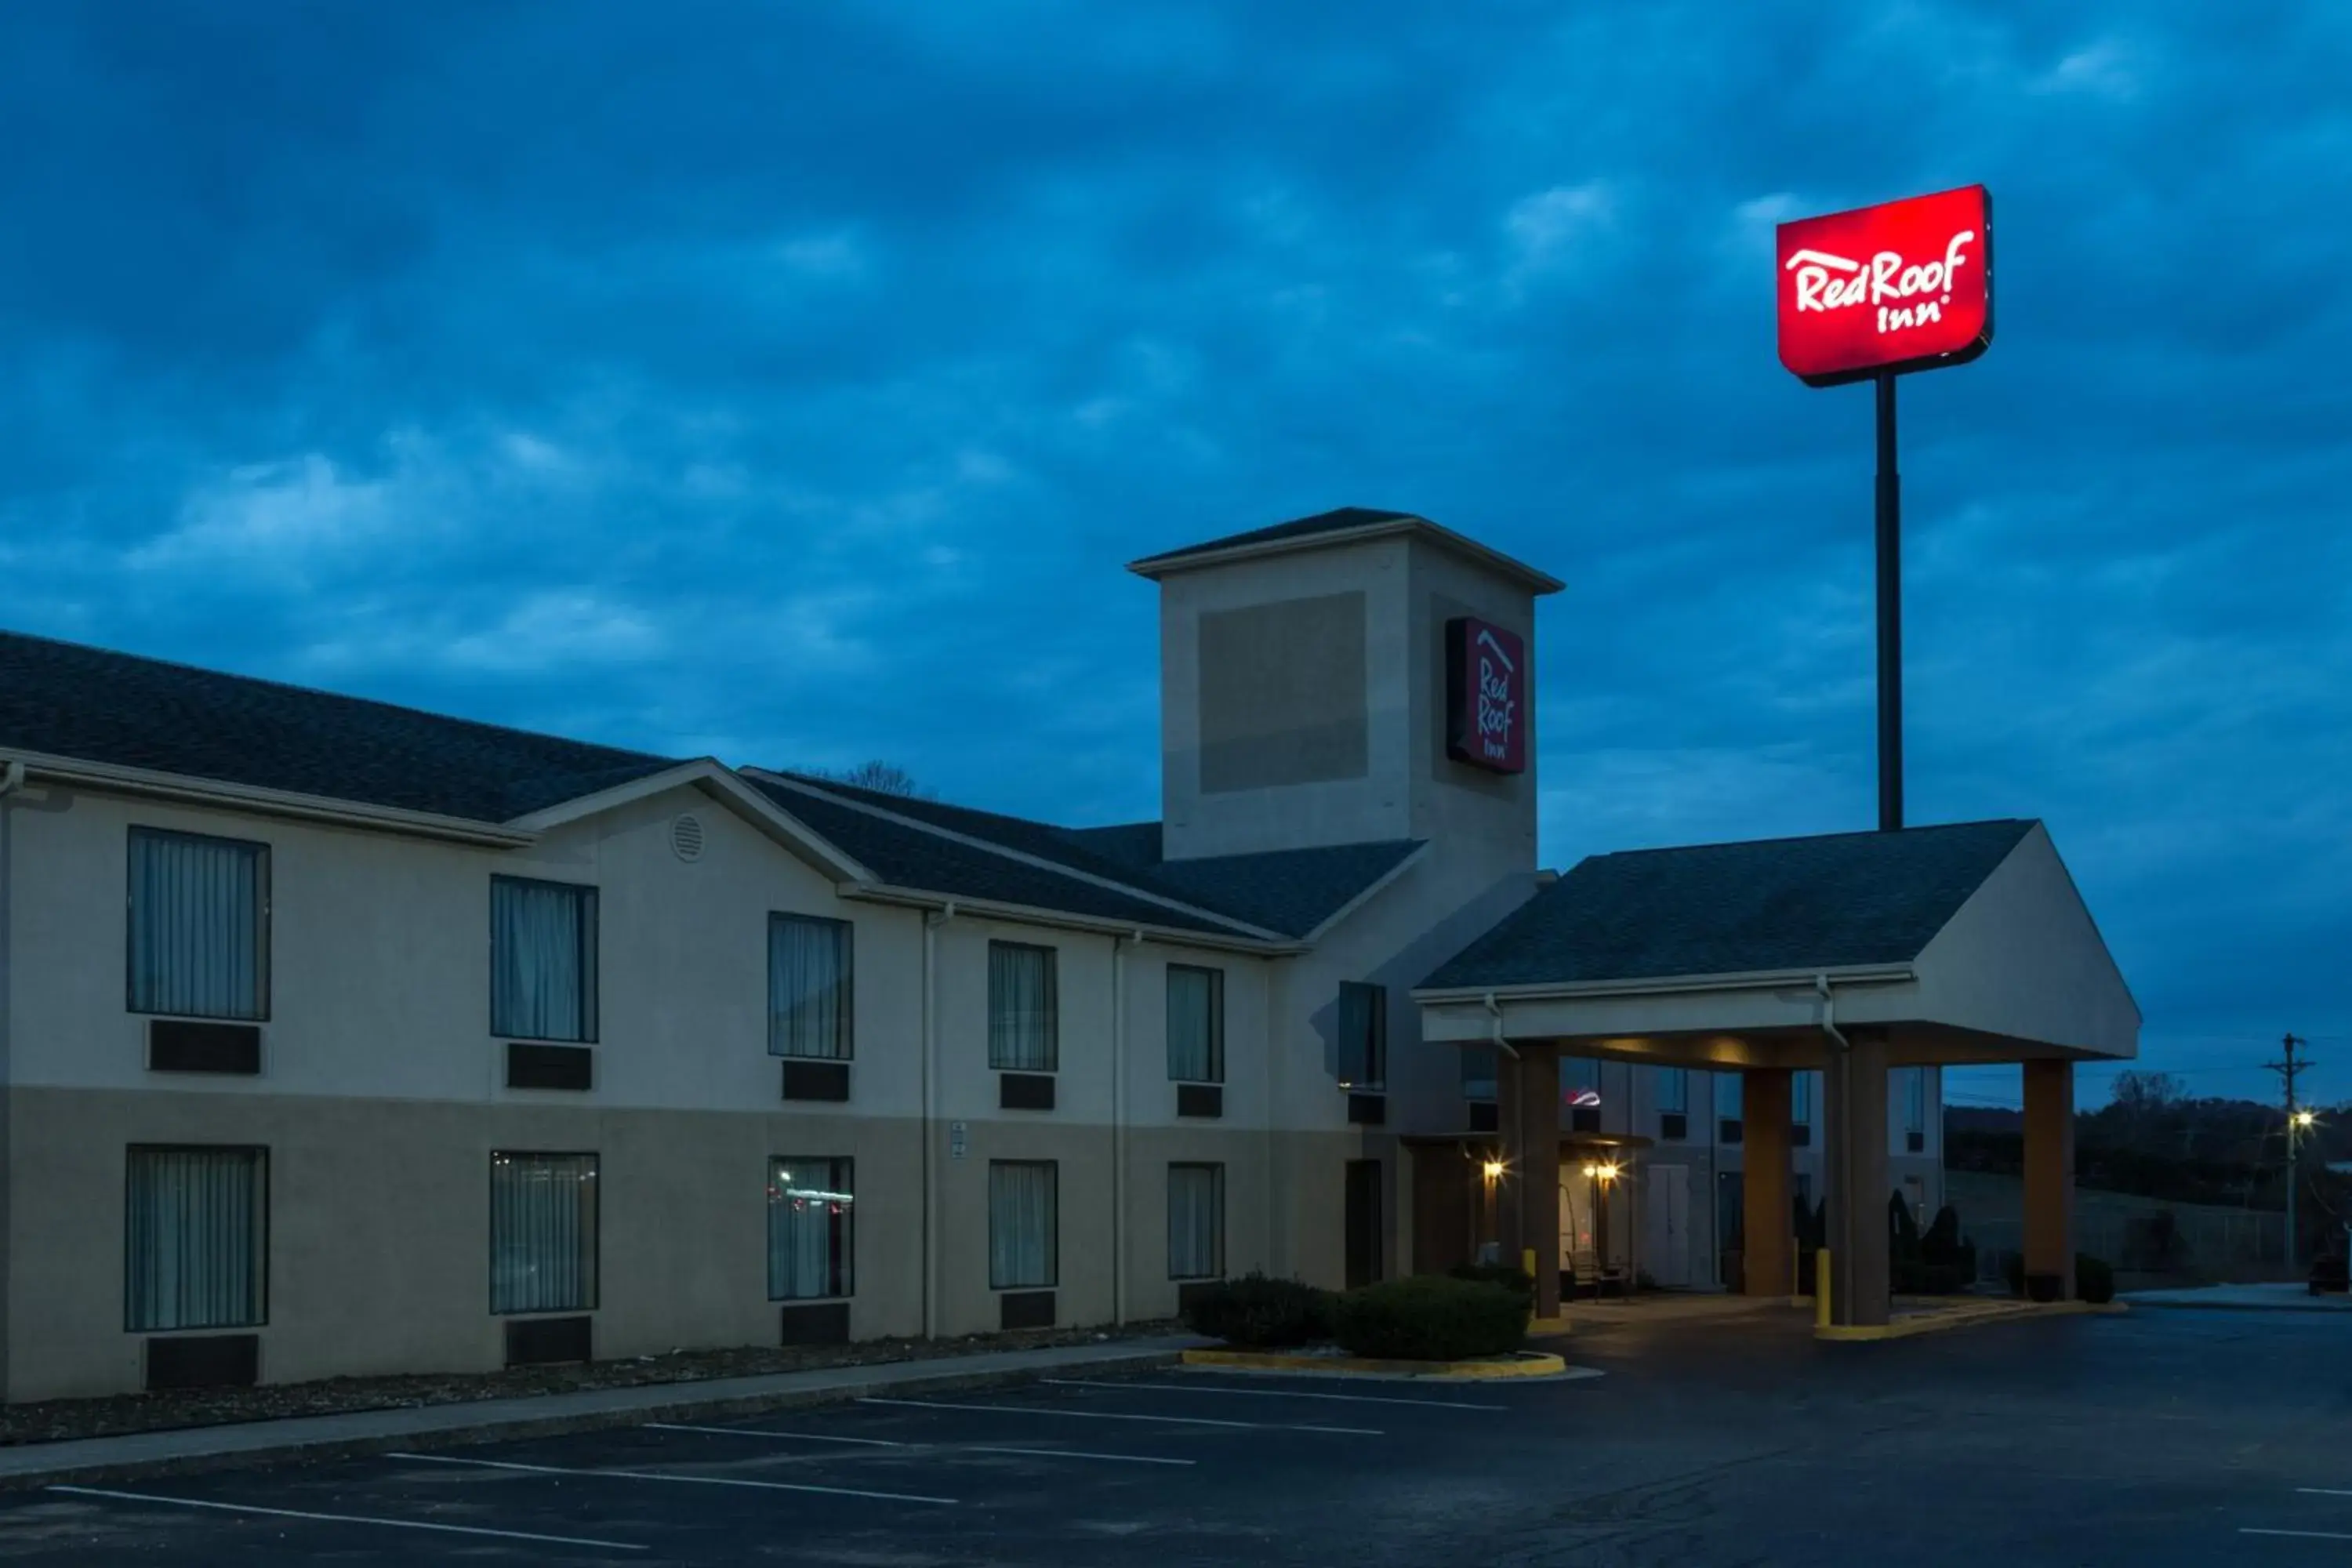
808, 988
1363, 1036
1479, 1073
1915, 1099
1196, 1024
1729, 1088
1674, 1092
199, 941
1023, 1008
542, 960
1800, 1098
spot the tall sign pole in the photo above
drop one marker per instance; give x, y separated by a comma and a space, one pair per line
1870, 295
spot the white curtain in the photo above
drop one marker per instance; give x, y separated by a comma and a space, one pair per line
1196, 1222
810, 1204
1800, 1098
542, 1233
1363, 1028
543, 960
199, 926
1196, 1024
1915, 1099
1478, 1076
1023, 1028
1022, 1221
808, 988
195, 1238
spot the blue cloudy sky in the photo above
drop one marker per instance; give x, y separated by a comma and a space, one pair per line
790, 382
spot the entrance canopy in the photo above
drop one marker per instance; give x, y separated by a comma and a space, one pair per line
1952, 944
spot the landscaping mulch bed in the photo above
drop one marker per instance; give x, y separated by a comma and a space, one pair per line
57, 1420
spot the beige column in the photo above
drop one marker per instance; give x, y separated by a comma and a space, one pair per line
1526, 1201
1769, 1236
1855, 1161
2050, 1174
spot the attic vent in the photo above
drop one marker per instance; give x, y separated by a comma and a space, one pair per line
685, 836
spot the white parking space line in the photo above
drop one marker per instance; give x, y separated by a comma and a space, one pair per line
349, 1518
1121, 1416
2325, 1491
948, 1448
2299, 1534
797, 1436
660, 1476
1271, 1394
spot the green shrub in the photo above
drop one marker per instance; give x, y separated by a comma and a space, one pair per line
1259, 1313
2094, 1279
1427, 1318
2012, 1269
1509, 1275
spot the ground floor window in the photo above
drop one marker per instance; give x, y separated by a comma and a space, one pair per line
542, 1233
810, 1205
195, 1238
1196, 1222
1024, 1224
1366, 1233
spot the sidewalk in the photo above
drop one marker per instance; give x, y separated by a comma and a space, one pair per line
2287, 1297
313, 1438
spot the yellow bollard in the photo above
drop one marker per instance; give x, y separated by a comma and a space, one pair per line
1821, 1288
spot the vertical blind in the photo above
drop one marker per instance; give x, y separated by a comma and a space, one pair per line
808, 986
1023, 1030
1021, 1223
196, 1238
1363, 1030
1479, 1073
1196, 1222
1196, 1025
810, 1204
542, 1233
199, 926
542, 960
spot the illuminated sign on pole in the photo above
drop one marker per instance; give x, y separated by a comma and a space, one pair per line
1869, 295
1899, 286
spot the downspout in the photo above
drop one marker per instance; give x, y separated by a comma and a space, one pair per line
932, 920
1494, 1028
1118, 946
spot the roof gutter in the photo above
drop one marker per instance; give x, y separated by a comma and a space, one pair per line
1807, 979
182, 787
1024, 914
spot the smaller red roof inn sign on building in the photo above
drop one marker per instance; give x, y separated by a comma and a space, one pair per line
1899, 286
1485, 695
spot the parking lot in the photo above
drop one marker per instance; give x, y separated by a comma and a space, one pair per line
2162, 1438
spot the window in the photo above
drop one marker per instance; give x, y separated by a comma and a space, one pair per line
809, 1237
542, 1233
1479, 1073
1800, 1098
199, 943
1673, 1090
1729, 1088
1363, 1036
1915, 1099
1196, 1222
1023, 1228
195, 1239
542, 960
1023, 1025
1196, 1024
808, 988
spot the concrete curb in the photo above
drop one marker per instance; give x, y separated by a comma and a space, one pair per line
2308, 1309
1967, 1317
234, 1445
1535, 1364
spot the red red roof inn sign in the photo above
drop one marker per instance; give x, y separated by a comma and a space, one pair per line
1899, 286
1869, 295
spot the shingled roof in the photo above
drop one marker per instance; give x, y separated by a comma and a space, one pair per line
1300, 532
97, 706
1773, 905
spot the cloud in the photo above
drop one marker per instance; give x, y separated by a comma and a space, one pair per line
800, 380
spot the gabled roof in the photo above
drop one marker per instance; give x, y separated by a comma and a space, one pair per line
68, 701
1342, 524
1835, 901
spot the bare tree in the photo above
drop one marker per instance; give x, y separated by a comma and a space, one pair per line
2140, 1090
883, 778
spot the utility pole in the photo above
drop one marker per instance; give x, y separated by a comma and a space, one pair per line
2287, 1067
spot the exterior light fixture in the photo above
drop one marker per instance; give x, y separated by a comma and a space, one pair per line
1609, 1172
2304, 1117
1493, 1170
